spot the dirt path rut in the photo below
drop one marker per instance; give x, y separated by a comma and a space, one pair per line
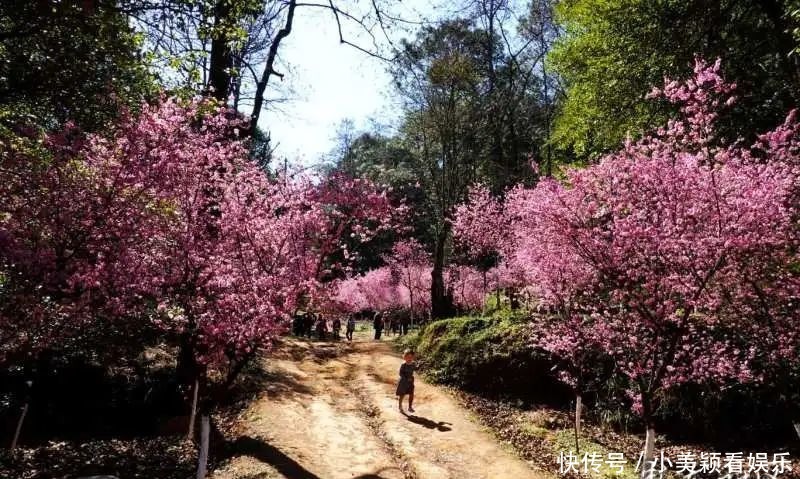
331, 413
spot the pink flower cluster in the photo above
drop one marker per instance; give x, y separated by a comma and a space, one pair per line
168, 222
405, 284
672, 257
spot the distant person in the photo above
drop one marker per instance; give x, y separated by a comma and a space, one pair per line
404, 324
394, 325
377, 323
405, 386
309, 324
298, 325
322, 327
351, 327
336, 327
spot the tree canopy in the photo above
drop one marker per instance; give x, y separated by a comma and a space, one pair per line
612, 51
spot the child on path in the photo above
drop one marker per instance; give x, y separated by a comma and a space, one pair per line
406, 384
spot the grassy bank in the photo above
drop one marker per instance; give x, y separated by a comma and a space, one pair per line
491, 355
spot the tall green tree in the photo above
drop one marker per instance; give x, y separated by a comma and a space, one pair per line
69, 60
442, 78
612, 50
473, 113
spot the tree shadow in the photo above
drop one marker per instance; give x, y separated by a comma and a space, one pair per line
257, 449
165, 457
275, 383
440, 426
376, 474
314, 349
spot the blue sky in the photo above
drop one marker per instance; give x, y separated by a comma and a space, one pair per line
331, 82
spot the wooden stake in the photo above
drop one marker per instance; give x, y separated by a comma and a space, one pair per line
578, 406
202, 459
19, 427
190, 432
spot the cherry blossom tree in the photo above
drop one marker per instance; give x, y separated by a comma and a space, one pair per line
480, 227
215, 262
479, 224
484, 226
385, 289
409, 262
382, 289
468, 286
348, 210
167, 224
70, 246
673, 255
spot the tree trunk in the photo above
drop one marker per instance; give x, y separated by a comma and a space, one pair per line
513, 299
411, 300
485, 294
202, 457
18, 430
190, 432
221, 59
236, 370
186, 369
548, 169
439, 301
578, 407
497, 285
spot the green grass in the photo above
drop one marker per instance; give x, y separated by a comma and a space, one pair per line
534, 431
490, 354
564, 441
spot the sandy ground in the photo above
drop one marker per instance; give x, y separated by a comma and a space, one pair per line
331, 413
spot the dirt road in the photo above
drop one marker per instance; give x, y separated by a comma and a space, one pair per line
331, 413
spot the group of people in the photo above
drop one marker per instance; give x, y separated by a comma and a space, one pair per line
308, 323
394, 324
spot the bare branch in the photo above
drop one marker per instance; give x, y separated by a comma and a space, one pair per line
337, 12
269, 66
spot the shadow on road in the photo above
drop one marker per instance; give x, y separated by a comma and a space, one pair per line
255, 448
376, 474
430, 424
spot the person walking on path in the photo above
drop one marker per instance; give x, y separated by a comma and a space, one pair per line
322, 327
298, 324
405, 386
378, 325
404, 324
309, 324
351, 327
337, 327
